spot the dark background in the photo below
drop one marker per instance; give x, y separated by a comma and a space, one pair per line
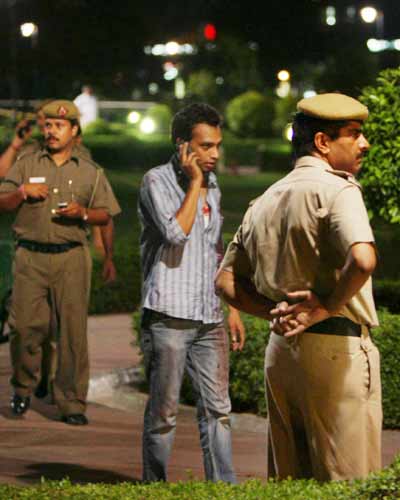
101, 42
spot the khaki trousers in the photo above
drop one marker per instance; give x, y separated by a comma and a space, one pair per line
324, 406
49, 346
48, 286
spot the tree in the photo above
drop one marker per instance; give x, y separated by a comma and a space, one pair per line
250, 114
202, 85
381, 167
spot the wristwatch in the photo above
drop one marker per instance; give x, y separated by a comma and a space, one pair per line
85, 216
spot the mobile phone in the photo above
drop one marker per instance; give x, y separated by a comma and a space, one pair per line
179, 143
62, 204
24, 130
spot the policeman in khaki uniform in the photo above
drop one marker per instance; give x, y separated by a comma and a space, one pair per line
308, 238
56, 194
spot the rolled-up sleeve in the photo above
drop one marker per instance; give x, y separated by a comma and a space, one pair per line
162, 210
13, 179
348, 219
236, 259
105, 198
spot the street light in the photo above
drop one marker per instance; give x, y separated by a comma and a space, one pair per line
28, 30
372, 15
283, 89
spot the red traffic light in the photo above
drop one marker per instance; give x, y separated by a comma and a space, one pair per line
210, 32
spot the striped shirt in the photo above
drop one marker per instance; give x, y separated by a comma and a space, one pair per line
179, 269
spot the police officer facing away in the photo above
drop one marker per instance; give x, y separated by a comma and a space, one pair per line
56, 194
310, 231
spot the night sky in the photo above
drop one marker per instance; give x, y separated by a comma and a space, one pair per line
101, 41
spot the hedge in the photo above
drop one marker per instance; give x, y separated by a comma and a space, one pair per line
384, 485
247, 367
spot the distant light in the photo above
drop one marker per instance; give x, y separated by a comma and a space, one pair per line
375, 45
309, 93
147, 125
187, 48
396, 44
134, 117
180, 88
153, 88
330, 15
288, 132
283, 75
219, 80
369, 14
172, 48
351, 13
210, 32
283, 89
28, 29
158, 49
253, 45
171, 74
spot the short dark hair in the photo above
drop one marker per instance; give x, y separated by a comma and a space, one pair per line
187, 118
304, 129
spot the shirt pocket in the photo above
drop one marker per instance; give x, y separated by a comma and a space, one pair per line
83, 194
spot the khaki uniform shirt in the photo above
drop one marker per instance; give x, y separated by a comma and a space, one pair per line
78, 179
296, 236
84, 153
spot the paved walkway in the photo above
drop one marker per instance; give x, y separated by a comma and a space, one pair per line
108, 450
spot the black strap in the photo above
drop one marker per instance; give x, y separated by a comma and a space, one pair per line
36, 246
336, 326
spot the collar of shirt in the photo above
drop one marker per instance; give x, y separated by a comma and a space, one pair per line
183, 179
312, 161
45, 152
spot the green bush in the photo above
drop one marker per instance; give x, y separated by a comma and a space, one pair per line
380, 174
124, 294
115, 151
283, 114
387, 339
380, 486
250, 114
162, 116
387, 295
247, 368
99, 127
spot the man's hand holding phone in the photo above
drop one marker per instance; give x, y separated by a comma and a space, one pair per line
189, 162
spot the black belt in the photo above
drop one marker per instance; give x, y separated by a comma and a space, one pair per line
36, 246
336, 326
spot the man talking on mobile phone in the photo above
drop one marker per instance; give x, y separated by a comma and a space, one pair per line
182, 320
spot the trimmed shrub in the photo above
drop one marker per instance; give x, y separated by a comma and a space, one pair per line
247, 368
381, 168
124, 294
387, 339
380, 486
250, 114
387, 295
115, 151
162, 116
99, 127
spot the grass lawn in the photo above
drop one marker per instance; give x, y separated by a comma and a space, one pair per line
237, 191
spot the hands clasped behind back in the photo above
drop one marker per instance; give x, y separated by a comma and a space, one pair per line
290, 320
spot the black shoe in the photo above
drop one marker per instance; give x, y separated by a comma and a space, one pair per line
75, 419
19, 404
42, 389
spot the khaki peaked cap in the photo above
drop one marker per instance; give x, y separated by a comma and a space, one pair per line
333, 107
66, 110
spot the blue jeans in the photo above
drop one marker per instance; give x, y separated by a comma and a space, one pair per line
169, 346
